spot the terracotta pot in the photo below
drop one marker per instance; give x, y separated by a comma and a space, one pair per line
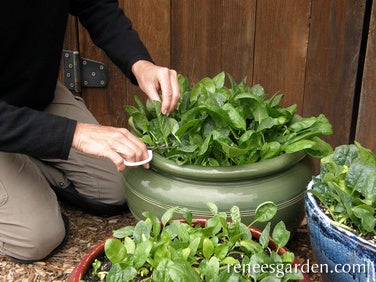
85, 263
282, 180
79, 271
342, 255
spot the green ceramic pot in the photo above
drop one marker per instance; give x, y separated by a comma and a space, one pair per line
282, 180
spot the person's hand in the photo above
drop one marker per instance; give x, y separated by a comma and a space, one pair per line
116, 144
153, 79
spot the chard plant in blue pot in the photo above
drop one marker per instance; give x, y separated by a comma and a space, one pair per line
340, 208
231, 145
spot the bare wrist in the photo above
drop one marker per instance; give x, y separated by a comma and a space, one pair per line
139, 66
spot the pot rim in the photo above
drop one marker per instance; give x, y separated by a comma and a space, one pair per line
84, 264
227, 173
327, 221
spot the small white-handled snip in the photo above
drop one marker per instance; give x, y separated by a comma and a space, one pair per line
150, 152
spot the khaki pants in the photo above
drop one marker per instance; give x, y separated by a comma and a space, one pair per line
31, 224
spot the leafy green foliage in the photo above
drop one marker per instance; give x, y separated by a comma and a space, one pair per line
346, 187
217, 251
214, 125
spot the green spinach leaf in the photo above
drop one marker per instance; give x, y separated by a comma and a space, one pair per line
216, 125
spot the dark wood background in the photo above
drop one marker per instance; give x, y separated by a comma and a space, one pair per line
320, 53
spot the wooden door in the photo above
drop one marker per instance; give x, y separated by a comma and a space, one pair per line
365, 126
334, 50
309, 50
152, 20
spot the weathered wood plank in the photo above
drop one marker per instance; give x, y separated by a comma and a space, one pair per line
282, 31
366, 125
333, 55
212, 36
152, 21
238, 38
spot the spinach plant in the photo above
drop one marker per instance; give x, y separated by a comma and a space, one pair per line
215, 125
180, 250
346, 186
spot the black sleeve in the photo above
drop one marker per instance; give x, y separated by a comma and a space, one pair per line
112, 31
29, 129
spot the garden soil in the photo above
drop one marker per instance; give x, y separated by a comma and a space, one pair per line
86, 231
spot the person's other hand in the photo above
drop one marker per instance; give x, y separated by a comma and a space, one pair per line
116, 144
153, 79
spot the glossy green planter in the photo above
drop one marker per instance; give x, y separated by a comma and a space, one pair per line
282, 180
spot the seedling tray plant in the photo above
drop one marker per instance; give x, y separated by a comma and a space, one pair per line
187, 249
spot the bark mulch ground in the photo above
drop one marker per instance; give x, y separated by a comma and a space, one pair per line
86, 231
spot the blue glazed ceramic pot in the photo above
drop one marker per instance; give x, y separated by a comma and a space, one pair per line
340, 254
282, 180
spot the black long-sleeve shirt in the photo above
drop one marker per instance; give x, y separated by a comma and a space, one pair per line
31, 42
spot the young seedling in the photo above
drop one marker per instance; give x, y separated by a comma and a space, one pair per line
167, 249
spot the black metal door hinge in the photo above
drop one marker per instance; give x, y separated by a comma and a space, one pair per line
80, 72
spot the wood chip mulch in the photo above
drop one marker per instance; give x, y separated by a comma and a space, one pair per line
86, 231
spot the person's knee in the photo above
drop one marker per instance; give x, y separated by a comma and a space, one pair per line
36, 242
44, 241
